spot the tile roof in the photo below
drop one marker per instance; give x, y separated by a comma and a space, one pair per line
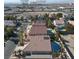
38, 29
9, 23
71, 22
59, 22
41, 23
39, 43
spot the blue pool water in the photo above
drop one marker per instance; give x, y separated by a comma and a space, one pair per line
55, 47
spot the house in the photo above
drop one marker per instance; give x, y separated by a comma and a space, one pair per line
71, 22
60, 24
39, 46
9, 23
70, 26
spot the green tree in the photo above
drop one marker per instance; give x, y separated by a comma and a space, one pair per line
6, 17
59, 15
46, 18
49, 23
9, 17
21, 38
21, 18
8, 32
36, 17
32, 18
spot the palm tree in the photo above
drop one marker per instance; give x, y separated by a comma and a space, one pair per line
32, 18
21, 38
46, 18
49, 23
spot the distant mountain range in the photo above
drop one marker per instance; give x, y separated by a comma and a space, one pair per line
17, 4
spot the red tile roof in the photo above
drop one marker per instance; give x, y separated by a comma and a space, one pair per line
59, 22
38, 39
38, 23
39, 43
38, 29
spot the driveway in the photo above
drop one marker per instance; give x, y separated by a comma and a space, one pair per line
8, 49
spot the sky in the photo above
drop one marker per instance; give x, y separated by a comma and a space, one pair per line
48, 1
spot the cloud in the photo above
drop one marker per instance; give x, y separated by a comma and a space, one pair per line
12, 1
32, 0
48, 1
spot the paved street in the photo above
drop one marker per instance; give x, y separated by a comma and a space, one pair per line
8, 49
69, 43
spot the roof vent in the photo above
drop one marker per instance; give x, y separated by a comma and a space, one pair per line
46, 38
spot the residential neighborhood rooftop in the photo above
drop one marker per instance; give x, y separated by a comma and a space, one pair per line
39, 44
59, 22
9, 23
38, 29
71, 22
38, 38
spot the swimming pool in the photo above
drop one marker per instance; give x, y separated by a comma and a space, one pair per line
55, 47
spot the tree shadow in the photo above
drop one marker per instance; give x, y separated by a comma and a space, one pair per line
66, 32
14, 41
